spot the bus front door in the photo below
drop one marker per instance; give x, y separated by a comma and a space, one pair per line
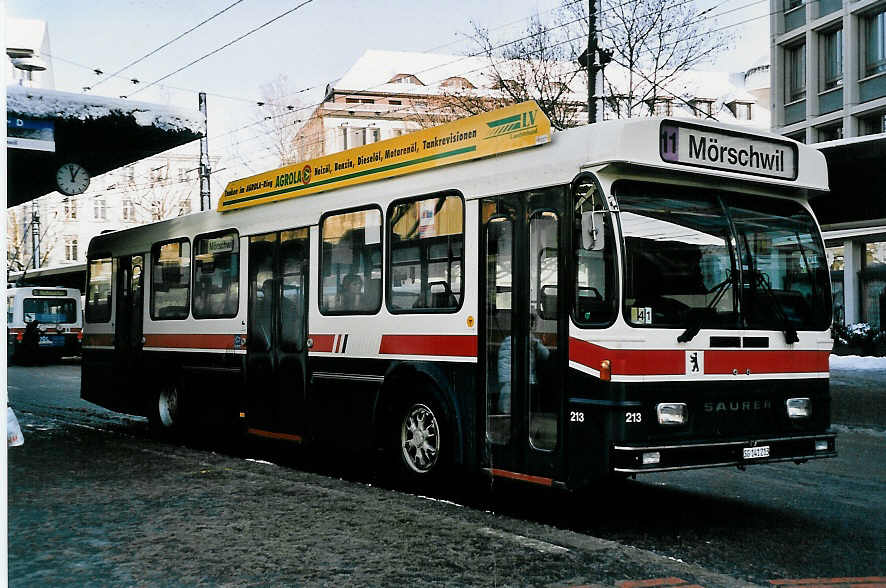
128, 328
276, 356
523, 334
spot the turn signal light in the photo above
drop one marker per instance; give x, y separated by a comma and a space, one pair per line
606, 370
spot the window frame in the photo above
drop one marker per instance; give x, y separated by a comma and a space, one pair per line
388, 263
88, 316
879, 67
795, 94
617, 270
835, 81
320, 259
151, 291
193, 284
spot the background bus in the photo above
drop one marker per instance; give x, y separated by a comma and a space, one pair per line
43, 322
631, 296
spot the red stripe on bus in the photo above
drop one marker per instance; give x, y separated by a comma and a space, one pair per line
190, 341
448, 345
522, 477
629, 362
322, 342
767, 362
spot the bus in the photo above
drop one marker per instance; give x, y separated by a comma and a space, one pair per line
626, 297
43, 322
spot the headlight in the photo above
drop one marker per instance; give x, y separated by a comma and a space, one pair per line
671, 413
799, 408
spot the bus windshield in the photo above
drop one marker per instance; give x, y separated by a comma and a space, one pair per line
50, 310
709, 258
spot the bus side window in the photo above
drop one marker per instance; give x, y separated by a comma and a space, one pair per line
594, 301
98, 291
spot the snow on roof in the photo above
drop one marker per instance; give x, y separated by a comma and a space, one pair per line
52, 104
24, 33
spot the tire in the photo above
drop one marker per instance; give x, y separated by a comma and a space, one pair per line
421, 441
167, 416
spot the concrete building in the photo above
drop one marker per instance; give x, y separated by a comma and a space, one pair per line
829, 88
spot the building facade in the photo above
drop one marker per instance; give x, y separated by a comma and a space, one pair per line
829, 68
829, 88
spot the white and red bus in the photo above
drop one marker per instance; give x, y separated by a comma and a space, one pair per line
627, 297
43, 322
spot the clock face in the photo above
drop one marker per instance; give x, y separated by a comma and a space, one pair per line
72, 179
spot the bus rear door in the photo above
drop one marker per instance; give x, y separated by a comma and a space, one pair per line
276, 356
523, 334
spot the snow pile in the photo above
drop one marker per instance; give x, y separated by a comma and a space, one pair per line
52, 104
857, 362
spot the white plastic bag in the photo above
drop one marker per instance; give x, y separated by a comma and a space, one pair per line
14, 435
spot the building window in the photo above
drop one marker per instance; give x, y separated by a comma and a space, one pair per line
70, 249
395, 102
741, 110
791, 4
663, 107
796, 62
875, 43
799, 136
128, 209
70, 208
100, 208
830, 132
872, 123
702, 108
873, 284
408, 79
833, 59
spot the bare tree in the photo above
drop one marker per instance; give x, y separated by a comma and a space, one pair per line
280, 127
539, 66
19, 238
653, 43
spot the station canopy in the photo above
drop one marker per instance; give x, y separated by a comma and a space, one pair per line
96, 132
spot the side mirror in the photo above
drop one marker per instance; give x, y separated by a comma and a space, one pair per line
592, 233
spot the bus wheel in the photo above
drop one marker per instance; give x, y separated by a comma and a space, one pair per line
421, 440
166, 414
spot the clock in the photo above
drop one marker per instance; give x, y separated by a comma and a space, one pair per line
72, 179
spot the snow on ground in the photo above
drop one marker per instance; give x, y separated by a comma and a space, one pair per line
857, 362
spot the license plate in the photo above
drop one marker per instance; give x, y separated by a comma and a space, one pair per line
52, 341
756, 452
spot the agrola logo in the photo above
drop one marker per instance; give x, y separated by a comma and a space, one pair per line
306, 175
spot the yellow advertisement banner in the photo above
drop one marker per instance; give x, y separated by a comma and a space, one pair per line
506, 129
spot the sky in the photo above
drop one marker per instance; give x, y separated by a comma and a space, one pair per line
313, 45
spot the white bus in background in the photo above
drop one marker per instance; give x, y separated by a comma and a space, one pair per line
43, 322
626, 297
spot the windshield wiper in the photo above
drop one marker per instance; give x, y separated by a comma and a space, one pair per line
790, 333
697, 318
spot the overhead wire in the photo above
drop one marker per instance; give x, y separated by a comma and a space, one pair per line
166, 44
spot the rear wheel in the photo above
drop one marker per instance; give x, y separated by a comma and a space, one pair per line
166, 412
421, 443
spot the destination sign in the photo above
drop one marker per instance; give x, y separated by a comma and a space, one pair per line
37, 292
506, 129
698, 146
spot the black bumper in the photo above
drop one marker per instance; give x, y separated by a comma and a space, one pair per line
628, 458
